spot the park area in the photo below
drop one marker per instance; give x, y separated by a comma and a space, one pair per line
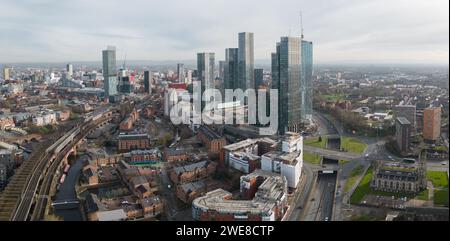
440, 184
352, 145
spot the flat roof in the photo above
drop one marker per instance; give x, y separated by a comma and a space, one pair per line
403, 121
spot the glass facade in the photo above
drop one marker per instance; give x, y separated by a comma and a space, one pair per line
231, 68
286, 74
306, 88
205, 68
246, 61
109, 71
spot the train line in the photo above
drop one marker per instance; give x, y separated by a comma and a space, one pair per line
26, 195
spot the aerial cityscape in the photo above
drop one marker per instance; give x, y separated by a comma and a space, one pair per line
176, 114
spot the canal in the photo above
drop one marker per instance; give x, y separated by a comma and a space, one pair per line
67, 191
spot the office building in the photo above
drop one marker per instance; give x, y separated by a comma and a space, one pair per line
246, 79
402, 133
306, 85
286, 74
431, 123
288, 161
110, 72
180, 73
399, 177
406, 111
230, 80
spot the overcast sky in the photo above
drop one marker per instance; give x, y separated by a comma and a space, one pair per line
369, 31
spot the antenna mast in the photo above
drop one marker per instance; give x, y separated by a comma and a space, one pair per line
301, 24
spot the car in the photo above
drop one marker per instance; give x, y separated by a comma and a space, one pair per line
367, 155
326, 218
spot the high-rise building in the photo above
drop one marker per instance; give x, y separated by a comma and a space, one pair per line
231, 69
246, 62
109, 71
259, 77
148, 82
306, 86
406, 111
205, 68
221, 69
431, 123
402, 133
286, 74
180, 73
69, 69
6, 73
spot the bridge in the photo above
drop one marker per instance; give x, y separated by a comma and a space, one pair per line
66, 204
26, 196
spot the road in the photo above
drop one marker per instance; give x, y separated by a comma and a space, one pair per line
321, 201
301, 195
333, 154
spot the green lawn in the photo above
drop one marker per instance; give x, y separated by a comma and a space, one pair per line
311, 158
353, 177
423, 195
343, 162
334, 97
352, 145
439, 179
316, 143
441, 197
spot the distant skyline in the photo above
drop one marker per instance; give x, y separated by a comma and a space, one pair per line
343, 31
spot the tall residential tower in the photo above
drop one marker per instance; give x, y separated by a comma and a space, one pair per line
109, 71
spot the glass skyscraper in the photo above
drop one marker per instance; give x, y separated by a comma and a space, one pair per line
246, 61
148, 81
231, 69
205, 68
286, 74
109, 71
180, 73
306, 88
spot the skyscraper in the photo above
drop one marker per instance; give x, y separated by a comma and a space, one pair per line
205, 68
69, 69
286, 74
431, 123
230, 79
246, 61
259, 77
402, 133
406, 111
147, 81
109, 71
180, 73
221, 69
6, 73
306, 88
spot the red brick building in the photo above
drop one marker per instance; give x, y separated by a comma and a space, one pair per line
211, 139
192, 172
133, 142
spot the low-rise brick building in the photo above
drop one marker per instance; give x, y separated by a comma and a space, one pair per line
133, 141
213, 141
192, 172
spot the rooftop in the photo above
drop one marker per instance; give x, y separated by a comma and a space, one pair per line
403, 121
